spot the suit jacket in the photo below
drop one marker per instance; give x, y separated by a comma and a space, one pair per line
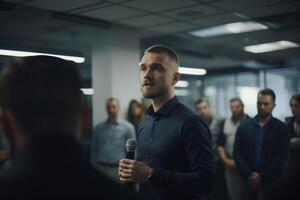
274, 150
53, 166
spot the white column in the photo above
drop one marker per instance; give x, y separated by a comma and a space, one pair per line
115, 58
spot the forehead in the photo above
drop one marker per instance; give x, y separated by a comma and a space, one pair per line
294, 102
235, 103
149, 58
265, 98
112, 103
202, 104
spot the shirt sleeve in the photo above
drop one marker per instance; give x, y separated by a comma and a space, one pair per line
221, 136
196, 139
238, 154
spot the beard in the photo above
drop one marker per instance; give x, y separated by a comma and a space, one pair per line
152, 93
264, 114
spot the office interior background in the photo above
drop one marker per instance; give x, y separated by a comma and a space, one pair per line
217, 37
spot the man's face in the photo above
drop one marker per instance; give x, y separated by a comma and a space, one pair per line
156, 74
265, 105
295, 107
236, 108
112, 109
203, 109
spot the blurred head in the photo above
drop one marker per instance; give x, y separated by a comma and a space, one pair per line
40, 94
295, 105
203, 108
112, 108
158, 71
265, 102
135, 109
236, 107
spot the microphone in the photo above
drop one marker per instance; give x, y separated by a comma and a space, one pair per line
130, 148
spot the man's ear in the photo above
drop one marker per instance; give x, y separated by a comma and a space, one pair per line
8, 125
176, 78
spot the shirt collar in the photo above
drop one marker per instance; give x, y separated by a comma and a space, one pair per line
255, 119
117, 121
165, 110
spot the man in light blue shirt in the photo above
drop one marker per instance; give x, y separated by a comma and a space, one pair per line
109, 139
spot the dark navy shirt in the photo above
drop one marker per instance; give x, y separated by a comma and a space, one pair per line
176, 143
258, 143
263, 150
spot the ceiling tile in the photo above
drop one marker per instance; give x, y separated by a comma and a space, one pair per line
112, 13
268, 10
233, 5
172, 27
193, 12
146, 21
58, 5
159, 5
216, 20
118, 1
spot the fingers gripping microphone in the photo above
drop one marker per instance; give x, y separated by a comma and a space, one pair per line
130, 148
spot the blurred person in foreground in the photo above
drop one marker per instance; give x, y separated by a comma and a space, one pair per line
43, 116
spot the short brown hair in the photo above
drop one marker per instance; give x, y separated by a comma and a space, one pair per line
158, 48
267, 91
296, 97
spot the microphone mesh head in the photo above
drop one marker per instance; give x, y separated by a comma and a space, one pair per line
130, 145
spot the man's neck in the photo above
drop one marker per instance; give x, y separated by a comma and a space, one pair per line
158, 102
112, 120
264, 120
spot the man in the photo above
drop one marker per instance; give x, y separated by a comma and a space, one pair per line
261, 148
214, 123
225, 147
42, 116
109, 139
175, 159
294, 122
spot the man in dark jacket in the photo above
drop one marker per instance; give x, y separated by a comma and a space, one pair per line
42, 116
261, 148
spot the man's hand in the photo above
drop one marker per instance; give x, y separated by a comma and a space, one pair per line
133, 171
254, 180
230, 164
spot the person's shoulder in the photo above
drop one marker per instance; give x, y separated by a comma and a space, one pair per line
279, 123
183, 111
126, 124
100, 125
248, 121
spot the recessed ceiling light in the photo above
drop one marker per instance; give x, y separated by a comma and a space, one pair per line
6, 52
182, 84
232, 28
87, 91
272, 46
192, 71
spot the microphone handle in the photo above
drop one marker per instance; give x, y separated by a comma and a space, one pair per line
130, 155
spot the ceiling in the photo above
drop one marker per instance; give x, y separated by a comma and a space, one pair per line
162, 21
